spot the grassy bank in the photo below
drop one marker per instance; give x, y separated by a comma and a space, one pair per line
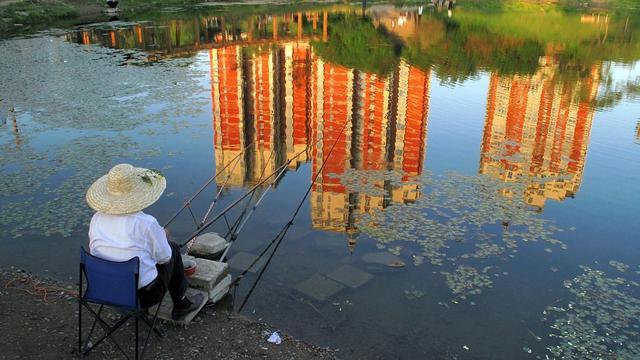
492, 5
19, 16
23, 16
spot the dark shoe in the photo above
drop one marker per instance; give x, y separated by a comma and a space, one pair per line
190, 305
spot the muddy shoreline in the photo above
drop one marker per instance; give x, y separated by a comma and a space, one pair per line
40, 322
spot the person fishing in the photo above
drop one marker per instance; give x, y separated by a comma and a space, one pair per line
119, 231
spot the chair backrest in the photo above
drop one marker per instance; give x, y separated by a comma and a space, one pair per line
110, 282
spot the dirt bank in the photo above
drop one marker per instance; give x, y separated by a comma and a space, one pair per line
39, 321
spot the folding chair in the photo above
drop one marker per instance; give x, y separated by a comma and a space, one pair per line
112, 284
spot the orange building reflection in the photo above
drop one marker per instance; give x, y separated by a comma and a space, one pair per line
283, 100
386, 129
537, 130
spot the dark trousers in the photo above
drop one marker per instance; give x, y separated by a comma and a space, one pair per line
170, 277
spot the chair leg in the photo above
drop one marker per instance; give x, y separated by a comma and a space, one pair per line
79, 328
80, 312
137, 332
108, 329
93, 326
84, 349
152, 329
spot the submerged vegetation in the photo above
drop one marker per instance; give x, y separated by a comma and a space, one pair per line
601, 322
456, 220
98, 95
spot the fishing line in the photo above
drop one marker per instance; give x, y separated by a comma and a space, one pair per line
280, 236
215, 201
246, 206
230, 229
237, 201
238, 225
188, 202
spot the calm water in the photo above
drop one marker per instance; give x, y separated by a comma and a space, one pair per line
478, 183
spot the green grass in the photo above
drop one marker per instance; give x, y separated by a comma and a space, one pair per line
33, 13
354, 42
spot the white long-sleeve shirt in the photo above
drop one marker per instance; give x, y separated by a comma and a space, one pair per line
121, 237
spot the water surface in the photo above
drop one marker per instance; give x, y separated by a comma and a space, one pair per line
474, 177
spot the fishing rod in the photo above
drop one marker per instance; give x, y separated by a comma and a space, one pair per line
213, 203
237, 228
234, 233
244, 210
235, 224
255, 206
280, 236
237, 201
215, 200
233, 230
188, 202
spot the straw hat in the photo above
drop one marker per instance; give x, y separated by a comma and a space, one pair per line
125, 189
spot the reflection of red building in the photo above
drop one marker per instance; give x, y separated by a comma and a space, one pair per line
415, 109
263, 65
411, 127
227, 98
299, 107
384, 109
333, 93
374, 109
333, 113
262, 80
538, 127
287, 98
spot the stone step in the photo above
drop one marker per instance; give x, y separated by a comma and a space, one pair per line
167, 307
220, 290
319, 287
350, 276
242, 260
208, 273
209, 246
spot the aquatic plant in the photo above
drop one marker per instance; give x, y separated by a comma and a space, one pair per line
64, 85
44, 194
466, 280
602, 322
94, 95
457, 218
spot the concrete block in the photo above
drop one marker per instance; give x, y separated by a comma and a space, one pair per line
220, 290
209, 246
167, 307
242, 260
350, 276
383, 258
319, 287
208, 273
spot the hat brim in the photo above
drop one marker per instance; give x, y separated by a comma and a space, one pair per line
142, 194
